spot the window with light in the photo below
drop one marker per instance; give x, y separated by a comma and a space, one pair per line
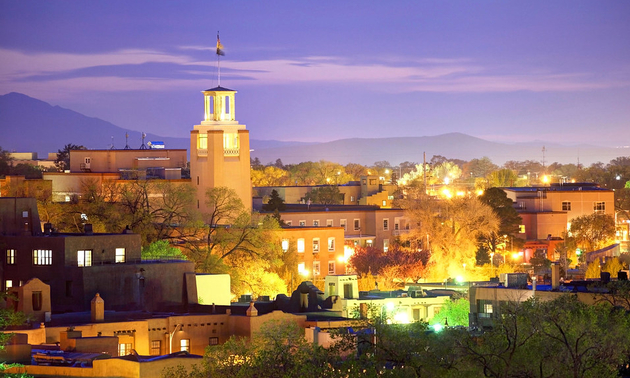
42, 257
10, 256
84, 258
120, 255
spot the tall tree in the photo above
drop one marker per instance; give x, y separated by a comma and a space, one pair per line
275, 202
449, 229
593, 231
508, 217
5, 162
325, 195
236, 240
63, 156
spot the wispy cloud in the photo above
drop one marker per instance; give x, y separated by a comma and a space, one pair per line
77, 72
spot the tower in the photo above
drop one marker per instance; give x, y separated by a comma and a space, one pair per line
219, 149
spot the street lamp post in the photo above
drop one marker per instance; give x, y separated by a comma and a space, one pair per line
170, 339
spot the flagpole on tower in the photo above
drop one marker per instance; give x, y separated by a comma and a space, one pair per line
219, 53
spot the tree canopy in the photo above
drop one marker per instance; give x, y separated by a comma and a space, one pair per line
593, 231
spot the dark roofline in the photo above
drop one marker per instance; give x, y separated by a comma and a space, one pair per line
314, 208
219, 89
133, 149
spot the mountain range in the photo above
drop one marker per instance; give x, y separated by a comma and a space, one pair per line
31, 125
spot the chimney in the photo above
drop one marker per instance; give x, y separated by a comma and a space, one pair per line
363, 310
555, 277
252, 311
98, 308
534, 284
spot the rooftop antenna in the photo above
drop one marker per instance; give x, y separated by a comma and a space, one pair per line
220, 53
544, 149
127, 142
112, 147
143, 147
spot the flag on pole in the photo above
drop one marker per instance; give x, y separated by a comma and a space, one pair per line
219, 46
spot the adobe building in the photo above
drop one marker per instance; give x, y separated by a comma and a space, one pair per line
77, 266
370, 226
97, 167
321, 251
219, 149
369, 190
548, 210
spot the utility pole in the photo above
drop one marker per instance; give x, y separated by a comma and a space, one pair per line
424, 171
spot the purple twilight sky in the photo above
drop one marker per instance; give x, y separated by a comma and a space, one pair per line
324, 70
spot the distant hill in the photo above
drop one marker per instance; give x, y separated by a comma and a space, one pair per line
452, 145
31, 125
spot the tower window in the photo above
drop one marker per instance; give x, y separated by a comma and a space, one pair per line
202, 141
227, 104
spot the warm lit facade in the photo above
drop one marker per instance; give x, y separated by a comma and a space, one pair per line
116, 161
320, 251
362, 225
549, 209
219, 149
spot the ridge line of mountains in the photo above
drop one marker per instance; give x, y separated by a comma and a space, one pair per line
52, 127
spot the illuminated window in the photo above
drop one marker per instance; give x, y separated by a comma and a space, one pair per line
384, 203
300, 245
385, 224
329, 222
599, 206
84, 258
8, 284
566, 206
202, 141
521, 229
316, 269
343, 223
184, 345
351, 198
42, 257
120, 255
288, 223
156, 347
484, 308
331, 267
357, 224
230, 141
302, 223
315, 245
385, 245
301, 268
316, 223
331, 244
124, 349
10, 256
213, 341
372, 181
285, 245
